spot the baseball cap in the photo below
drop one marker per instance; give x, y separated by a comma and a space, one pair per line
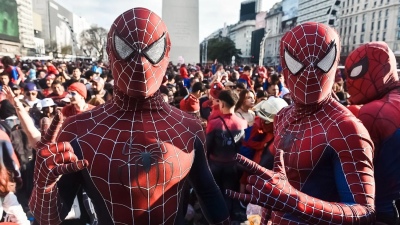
30, 87
15, 87
98, 80
267, 109
216, 88
229, 84
47, 102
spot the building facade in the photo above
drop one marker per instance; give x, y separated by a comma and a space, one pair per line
241, 33
364, 21
314, 10
274, 34
25, 22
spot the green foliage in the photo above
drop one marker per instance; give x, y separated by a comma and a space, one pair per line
222, 49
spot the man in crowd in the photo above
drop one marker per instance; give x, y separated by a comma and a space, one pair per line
31, 95
190, 103
77, 93
76, 76
58, 93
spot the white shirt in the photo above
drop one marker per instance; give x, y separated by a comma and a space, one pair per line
14, 210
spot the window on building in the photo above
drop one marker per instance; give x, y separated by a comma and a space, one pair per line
350, 20
380, 14
373, 15
385, 25
362, 38
384, 36
398, 22
355, 28
377, 37
381, 2
371, 36
387, 13
358, 8
379, 25
345, 29
364, 17
365, 6
363, 27
356, 19
374, 3
354, 39
398, 35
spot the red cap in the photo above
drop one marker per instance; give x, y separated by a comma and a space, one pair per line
78, 87
50, 76
216, 88
190, 104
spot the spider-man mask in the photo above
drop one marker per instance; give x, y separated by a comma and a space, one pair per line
370, 69
309, 56
138, 47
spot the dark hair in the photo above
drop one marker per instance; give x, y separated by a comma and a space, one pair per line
261, 94
247, 68
56, 82
229, 97
274, 78
240, 85
6, 109
7, 61
198, 86
242, 97
89, 74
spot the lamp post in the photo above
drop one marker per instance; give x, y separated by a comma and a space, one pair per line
262, 49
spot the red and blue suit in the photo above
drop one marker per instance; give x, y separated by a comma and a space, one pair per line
373, 85
323, 169
132, 155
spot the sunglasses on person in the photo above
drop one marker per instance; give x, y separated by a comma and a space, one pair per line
31, 93
72, 93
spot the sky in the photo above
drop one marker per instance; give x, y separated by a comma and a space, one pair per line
213, 13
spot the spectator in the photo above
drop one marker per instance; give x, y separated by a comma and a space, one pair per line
77, 94
31, 95
47, 90
190, 103
243, 108
4, 79
48, 113
17, 91
224, 136
58, 93
98, 89
51, 69
96, 101
245, 78
76, 77
15, 73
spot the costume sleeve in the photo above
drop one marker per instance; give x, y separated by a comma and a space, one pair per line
210, 197
50, 205
354, 177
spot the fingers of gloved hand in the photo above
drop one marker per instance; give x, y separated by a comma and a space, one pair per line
70, 167
52, 132
52, 149
247, 198
253, 168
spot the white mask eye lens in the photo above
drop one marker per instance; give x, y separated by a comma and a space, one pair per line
123, 49
292, 64
327, 62
156, 51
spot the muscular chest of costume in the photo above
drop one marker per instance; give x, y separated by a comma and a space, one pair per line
304, 142
138, 167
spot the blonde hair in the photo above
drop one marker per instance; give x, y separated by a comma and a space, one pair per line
96, 101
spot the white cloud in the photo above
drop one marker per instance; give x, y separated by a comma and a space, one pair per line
213, 13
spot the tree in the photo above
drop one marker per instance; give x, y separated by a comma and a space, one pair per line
222, 49
94, 38
51, 47
66, 50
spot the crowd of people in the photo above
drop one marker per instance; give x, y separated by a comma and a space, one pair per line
242, 109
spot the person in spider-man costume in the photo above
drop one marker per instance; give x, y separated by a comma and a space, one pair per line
373, 82
323, 171
134, 154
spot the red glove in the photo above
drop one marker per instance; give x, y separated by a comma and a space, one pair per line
52, 160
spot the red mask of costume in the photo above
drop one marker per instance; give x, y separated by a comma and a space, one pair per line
370, 71
309, 57
138, 46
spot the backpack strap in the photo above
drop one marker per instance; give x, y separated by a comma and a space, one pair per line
229, 131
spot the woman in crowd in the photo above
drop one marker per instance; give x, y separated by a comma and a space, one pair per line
243, 108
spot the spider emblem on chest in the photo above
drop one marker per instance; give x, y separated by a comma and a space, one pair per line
147, 165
